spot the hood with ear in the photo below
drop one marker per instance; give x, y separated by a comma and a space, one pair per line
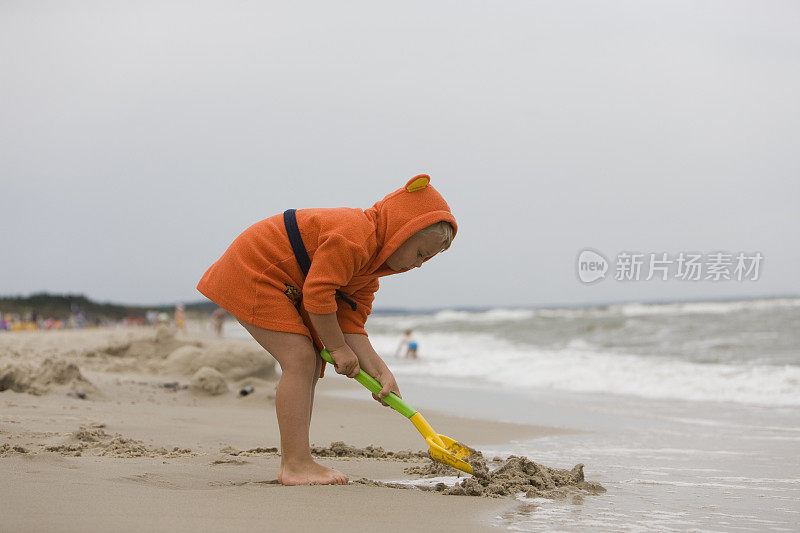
402, 213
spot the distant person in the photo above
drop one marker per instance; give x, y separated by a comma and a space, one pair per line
180, 317
218, 319
80, 319
410, 344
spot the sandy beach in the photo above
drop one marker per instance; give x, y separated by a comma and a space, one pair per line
140, 428
92, 439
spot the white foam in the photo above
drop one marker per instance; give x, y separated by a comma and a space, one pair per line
485, 358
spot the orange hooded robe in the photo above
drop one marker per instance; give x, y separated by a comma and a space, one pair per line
259, 281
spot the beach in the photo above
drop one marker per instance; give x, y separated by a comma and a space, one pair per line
685, 413
134, 454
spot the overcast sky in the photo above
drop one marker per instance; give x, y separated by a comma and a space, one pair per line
138, 139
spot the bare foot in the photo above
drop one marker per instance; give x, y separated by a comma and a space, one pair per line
310, 473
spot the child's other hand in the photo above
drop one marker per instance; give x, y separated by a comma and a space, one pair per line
389, 385
346, 361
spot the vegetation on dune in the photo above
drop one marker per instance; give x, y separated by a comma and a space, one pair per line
61, 306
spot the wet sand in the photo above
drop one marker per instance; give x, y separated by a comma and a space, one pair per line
92, 439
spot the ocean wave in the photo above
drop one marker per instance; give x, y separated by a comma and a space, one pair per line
624, 310
485, 358
693, 308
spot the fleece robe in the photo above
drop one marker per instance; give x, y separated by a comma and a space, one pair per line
259, 281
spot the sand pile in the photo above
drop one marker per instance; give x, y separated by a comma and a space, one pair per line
514, 475
93, 440
208, 381
158, 345
234, 360
28, 377
340, 449
139, 352
230, 450
160, 352
8, 449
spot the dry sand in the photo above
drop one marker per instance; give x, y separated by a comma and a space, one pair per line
136, 429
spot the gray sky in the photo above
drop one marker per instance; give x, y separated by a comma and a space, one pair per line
137, 139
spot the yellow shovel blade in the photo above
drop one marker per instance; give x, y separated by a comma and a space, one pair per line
442, 448
452, 453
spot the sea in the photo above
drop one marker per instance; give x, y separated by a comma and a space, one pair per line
688, 412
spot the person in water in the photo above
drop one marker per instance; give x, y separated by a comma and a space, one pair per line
411, 345
306, 279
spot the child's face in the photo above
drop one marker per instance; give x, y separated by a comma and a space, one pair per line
413, 251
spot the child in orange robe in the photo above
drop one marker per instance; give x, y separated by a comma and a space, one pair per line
260, 280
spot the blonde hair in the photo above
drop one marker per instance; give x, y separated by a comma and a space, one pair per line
443, 230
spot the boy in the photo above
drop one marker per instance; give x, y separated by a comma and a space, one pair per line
306, 279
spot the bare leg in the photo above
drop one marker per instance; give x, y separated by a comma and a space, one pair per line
293, 404
314, 387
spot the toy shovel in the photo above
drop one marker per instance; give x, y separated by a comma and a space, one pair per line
442, 448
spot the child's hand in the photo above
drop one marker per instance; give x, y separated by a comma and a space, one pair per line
346, 361
389, 385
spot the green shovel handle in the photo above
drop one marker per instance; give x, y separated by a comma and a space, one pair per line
394, 401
